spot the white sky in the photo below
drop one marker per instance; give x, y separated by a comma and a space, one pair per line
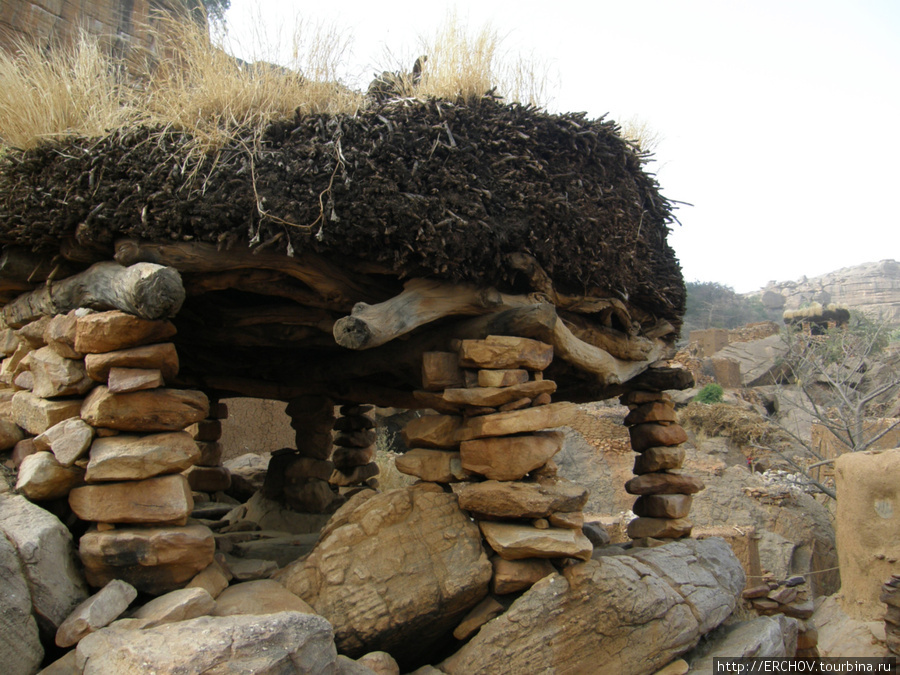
780, 119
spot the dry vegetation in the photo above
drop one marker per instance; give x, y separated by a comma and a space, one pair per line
197, 88
743, 427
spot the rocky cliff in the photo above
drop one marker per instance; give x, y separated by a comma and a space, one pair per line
873, 288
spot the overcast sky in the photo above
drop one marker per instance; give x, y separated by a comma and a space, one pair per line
779, 119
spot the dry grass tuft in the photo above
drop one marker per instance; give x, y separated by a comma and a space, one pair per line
743, 427
389, 478
69, 91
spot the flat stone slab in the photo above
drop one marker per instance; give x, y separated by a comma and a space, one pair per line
42, 477
509, 457
151, 410
493, 397
512, 576
657, 411
662, 506
180, 605
502, 499
161, 357
512, 541
68, 440
164, 499
35, 414
516, 421
109, 331
654, 434
130, 457
663, 483
504, 352
433, 466
659, 528
659, 459
99, 610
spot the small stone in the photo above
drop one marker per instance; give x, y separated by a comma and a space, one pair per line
262, 596
60, 335
659, 528
207, 430
641, 397
483, 612
32, 333
654, 434
56, 376
651, 412
510, 457
10, 434
432, 431
161, 357
250, 569
541, 523
663, 483
663, 506
69, 440
35, 414
110, 331
123, 380
21, 450
783, 595
380, 663
504, 352
513, 541
164, 499
213, 579
512, 576
596, 533
433, 466
355, 439
97, 611
24, 380
347, 459
208, 478
210, 454
502, 378
178, 605
570, 521
441, 370
42, 477
516, 405
306, 467
541, 399
760, 591
795, 581
354, 423
659, 459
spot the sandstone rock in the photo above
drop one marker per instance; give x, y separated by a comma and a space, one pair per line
662, 506
69, 440
272, 515
380, 663
513, 541
311, 495
503, 352
665, 599
20, 644
24, 380
650, 435
659, 528
287, 642
521, 500
161, 357
441, 370
41, 477
151, 410
59, 335
128, 457
663, 483
264, 596
32, 333
570, 521
362, 438
109, 331
10, 434
124, 380
761, 362
14, 364
154, 560
483, 612
512, 576
516, 421
57, 376
180, 605
164, 499
210, 453
502, 378
44, 546
250, 569
307, 467
346, 459
432, 431
98, 611
659, 459
764, 636
208, 478
651, 412
9, 341
358, 475
596, 533
213, 579
493, 397
844, 636
394, 571
434, 466
35, 415
509, 457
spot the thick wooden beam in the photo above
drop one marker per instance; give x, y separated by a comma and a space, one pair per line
330, 281
421, 302
145, 290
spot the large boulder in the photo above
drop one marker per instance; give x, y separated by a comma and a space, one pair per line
44, 545
20, 644
627, 615
394, 571
287, 642
761, 361
770, 636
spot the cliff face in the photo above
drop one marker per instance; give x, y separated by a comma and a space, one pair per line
59, 21
873, 288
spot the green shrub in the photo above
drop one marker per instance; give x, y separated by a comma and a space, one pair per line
711, 393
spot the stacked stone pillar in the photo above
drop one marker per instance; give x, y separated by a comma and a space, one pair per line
208, 475
664, 493
125, 442
493, 438
354, 456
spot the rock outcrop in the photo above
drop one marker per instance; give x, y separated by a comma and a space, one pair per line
622, 614
394, 571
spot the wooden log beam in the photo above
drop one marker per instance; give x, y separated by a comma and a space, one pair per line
144, 290
330, 281
21, 270
421, 302
620, 345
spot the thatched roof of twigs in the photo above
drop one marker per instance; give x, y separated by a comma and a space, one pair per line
424, 188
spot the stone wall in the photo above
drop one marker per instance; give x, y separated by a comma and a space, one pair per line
59, 21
